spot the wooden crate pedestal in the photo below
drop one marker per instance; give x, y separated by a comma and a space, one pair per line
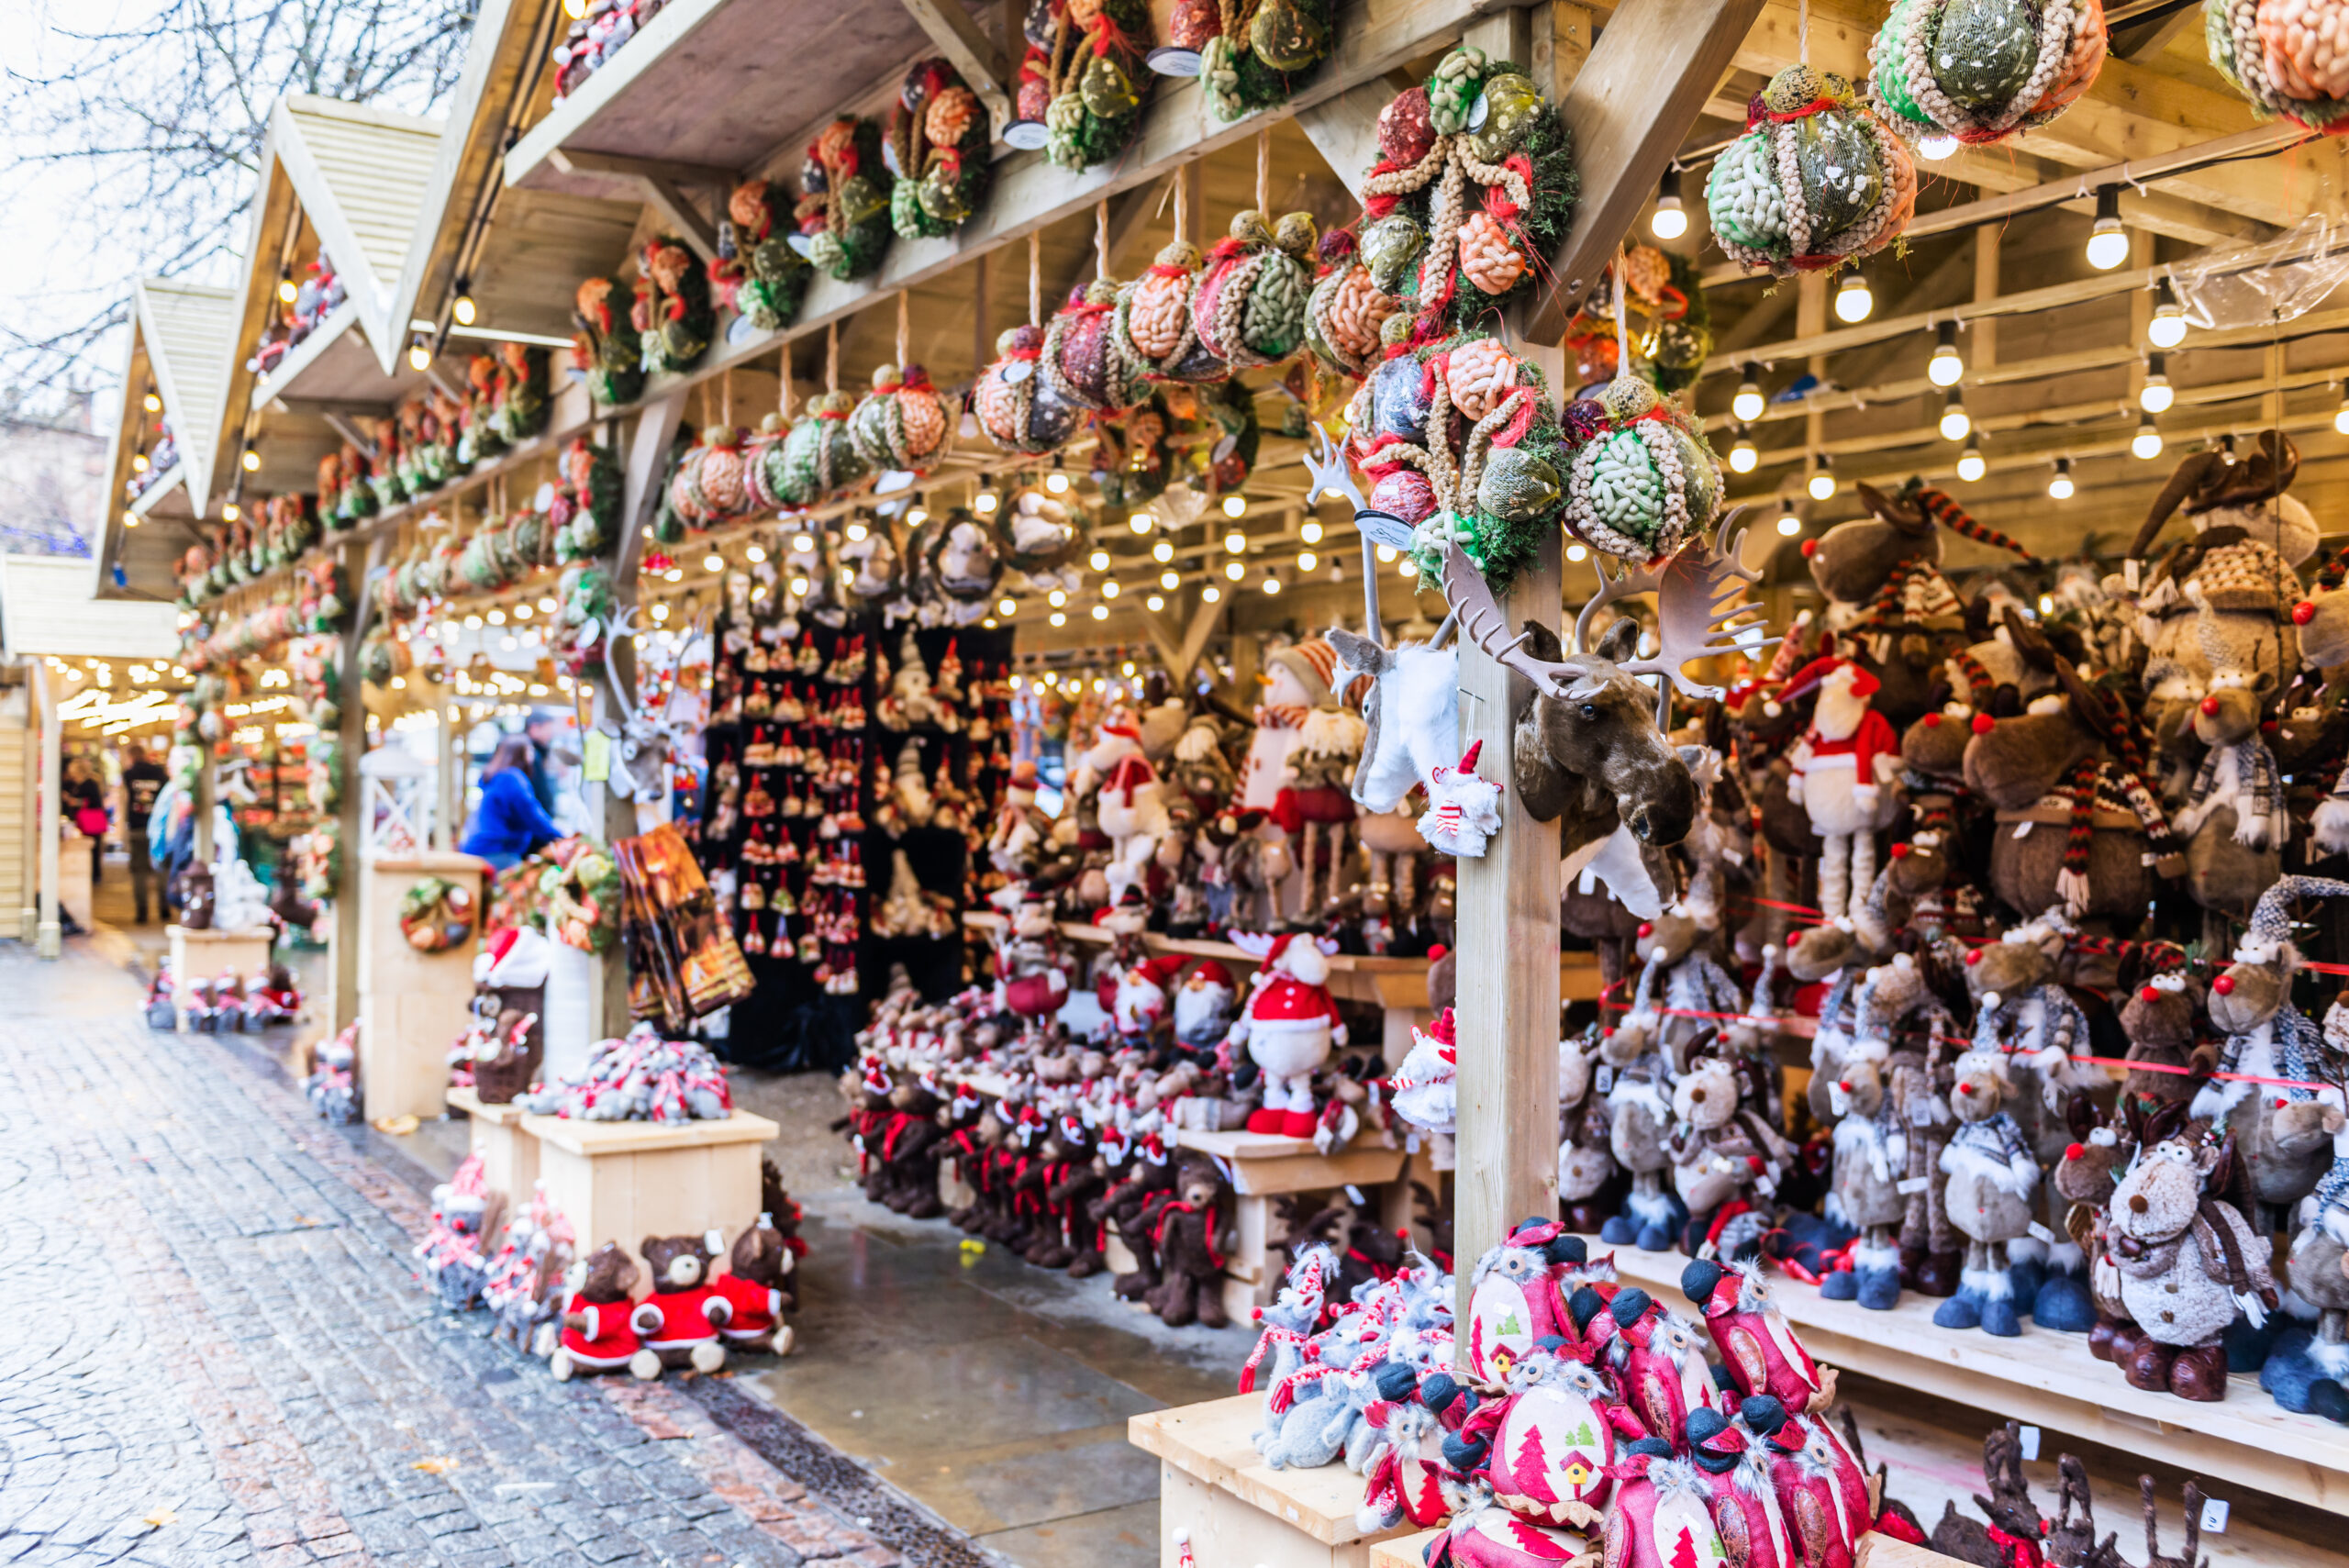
622, 1181
509, 1152
208, 955
412, 1004
1239, 1509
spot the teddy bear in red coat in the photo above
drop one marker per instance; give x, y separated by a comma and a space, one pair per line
596, 1336
752, 1289
681, 1319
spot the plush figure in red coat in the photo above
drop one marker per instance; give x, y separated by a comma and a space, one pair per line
1761, 1353
1289, 1026
1841, 767
752, 1290
596, 1332
680, 1320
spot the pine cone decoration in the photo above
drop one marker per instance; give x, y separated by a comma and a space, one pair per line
949, 116
1478, 374
1488, 258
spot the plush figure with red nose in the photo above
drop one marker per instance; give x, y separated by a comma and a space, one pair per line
1761, 1353
596, 1332
752, 1289
1202, 1006
1841, 766
1289, 1026
680, 1320
1139, 1000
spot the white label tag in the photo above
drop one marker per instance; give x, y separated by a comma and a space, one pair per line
1603, 1078
2042, 1234
1920, 1111
2027, 1438
1353, 1194
2214, 1516
1910, 1185
2022, 829
2129, 573
1412, 1143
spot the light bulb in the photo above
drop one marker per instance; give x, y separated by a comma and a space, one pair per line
1936, 147
1153, 603
1108, 590
1140, 522
496, 618
1235, 544
1853, 300
231, 511
2059, 485
983, 503
1211, 594
1098, 561
915, 518
1670, 219
1100, 612
462, 307
1970, 466
1234, 570
1056, 482
755, 554
1309, 531
1126, 669
1788, 524
1748, 403
153, 403
1946, 368
2108, 242
2147, 442
2156, 394
1170, 580
1235, 506
1060, 618
419, 354
287, 290
546, 607
1578, 552
1271, 584
1385, 554
130, 520
1822, 482
856, 531
1006, 607
1742, 457
1956, 424
251, 461
713, 561
522, 612
1408, 567
139, 463
1306, 561
2167, 328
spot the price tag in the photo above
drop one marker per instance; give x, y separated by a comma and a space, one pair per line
595, 756
1354, 1195
2040, 1232
2022, 829
1412, 1143
2214, 1516
2027, 1438
1910, 1185
1603, 1078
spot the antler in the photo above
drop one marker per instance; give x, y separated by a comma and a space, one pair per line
618, 629
1635, 580
1325, 464
1481, 623
1700, 608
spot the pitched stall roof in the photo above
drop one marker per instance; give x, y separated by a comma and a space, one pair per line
361, 175
189, 333
45, 608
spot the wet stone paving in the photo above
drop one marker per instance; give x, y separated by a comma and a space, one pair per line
219, 1354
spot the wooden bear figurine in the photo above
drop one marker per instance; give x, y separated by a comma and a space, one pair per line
596, 1335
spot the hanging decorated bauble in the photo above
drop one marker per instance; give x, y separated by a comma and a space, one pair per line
1014, 403
709, 485
585, 511
819, 460
2290, 58
903, 424
1642, 479
843, 211
1256, 59
1153, 325
1818, 179
584, 604
1475, 182
1130, 454
1081, 359
1191, 25
1220, 433
938, 151
757, 273
1344, 315
762, 464
1250, 307
1979, 71
673, 316
1037, 534
518, 406
1458, 439
1081, 83
1670, 326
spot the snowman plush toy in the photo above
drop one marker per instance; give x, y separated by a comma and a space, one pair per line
1289, 1026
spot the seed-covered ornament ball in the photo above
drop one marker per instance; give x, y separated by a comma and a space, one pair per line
1082, 82
843, 211
1015, 405
1261, 61
758, 273
938, 151
1818, 179
1642, 479
1979, 71
1346, 310
1249, 308
902, 424
819, 459
1475, 184
2290, 58
1082, 358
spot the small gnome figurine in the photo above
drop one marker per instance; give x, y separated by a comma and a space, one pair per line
1203, 1006
1841, 766
1289, 1026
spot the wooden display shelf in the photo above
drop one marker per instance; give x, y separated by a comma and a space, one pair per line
509, 1151
208, 955
623, 1181
2050, 1380
1239, 1509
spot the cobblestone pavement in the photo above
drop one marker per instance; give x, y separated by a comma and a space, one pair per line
218, 1354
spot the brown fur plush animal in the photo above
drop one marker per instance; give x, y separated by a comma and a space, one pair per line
2188, 1262
679, 1322
1589, 754
1194, 1238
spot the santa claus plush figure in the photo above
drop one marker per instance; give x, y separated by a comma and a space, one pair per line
1140, 999
1289, 1026
1841, 767
1203, 1008
1130, 803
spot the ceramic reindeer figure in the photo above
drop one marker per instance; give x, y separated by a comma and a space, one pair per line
2188, 1262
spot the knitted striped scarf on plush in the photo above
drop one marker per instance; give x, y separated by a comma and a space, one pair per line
2256, 772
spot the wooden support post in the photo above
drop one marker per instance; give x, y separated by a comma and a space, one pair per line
50, 938
207, 796
1508, 976
359, 564
1984, 353
449, 779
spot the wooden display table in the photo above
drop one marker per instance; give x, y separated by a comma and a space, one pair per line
1876, 1552
622, 1181
208, 955
412, 1004
1264, 1166
510, 1152
2050, 1380
1238, 1509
